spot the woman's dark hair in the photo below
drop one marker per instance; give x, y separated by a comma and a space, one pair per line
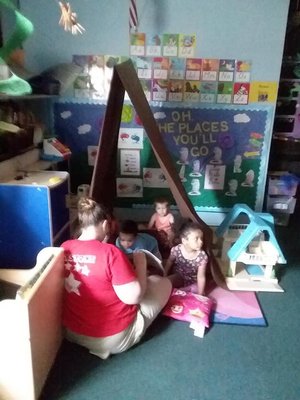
90, 213
129, 226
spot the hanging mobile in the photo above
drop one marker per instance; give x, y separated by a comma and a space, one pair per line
68, 19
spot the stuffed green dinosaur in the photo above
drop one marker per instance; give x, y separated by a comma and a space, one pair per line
11, 84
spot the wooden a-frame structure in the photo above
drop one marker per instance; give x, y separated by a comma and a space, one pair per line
103, 185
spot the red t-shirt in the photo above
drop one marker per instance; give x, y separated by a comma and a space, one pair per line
91, 306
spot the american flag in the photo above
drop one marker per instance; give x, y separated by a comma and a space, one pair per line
133, 16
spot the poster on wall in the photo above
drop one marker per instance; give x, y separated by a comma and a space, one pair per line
220, 153
129, 162
130, 138
129, 187
154, 178
78, 126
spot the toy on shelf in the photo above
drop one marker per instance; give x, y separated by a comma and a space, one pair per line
249, 251
54, 150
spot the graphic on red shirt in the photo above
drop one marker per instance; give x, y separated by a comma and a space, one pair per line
91, 305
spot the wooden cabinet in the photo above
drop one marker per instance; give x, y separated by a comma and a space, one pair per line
31, 329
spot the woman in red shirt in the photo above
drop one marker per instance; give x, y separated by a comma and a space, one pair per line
109, 303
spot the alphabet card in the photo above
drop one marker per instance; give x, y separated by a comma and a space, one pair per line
160, 88
177, 68
161, 67
143, 66
226, 70
241, 93
193, 69
192, 91
225, 91
210, 68
153, 45
176, 90
242, 71
170, 45
208, 92
187, 45
137, 44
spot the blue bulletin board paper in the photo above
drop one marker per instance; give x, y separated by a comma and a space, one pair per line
220, 152
223, 151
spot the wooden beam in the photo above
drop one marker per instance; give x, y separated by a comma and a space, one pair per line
103, 187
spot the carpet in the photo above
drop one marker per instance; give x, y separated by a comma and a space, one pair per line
236, 307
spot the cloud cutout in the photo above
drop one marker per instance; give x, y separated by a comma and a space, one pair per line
241, 118
83, 129
160, 115
66, 114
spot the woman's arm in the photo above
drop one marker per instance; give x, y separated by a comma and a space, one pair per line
133, 292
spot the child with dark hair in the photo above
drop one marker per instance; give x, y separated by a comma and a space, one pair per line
131, 240
187, 262
162, 220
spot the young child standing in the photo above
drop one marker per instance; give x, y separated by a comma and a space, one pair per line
131, 240
187, 262
162, 221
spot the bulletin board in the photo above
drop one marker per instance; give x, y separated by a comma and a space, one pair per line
78, 125
220, 153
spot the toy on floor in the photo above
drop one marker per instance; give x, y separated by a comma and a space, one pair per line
185, 305
249, 251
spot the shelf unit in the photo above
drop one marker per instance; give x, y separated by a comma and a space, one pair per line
285, 148
27, 112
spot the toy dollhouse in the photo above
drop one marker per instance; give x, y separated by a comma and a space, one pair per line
249, 250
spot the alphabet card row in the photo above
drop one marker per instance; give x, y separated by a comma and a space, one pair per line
193, 69
220, 81
167, 44
196, 91
173, 79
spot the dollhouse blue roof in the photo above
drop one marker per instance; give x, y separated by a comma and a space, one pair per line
258, 222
